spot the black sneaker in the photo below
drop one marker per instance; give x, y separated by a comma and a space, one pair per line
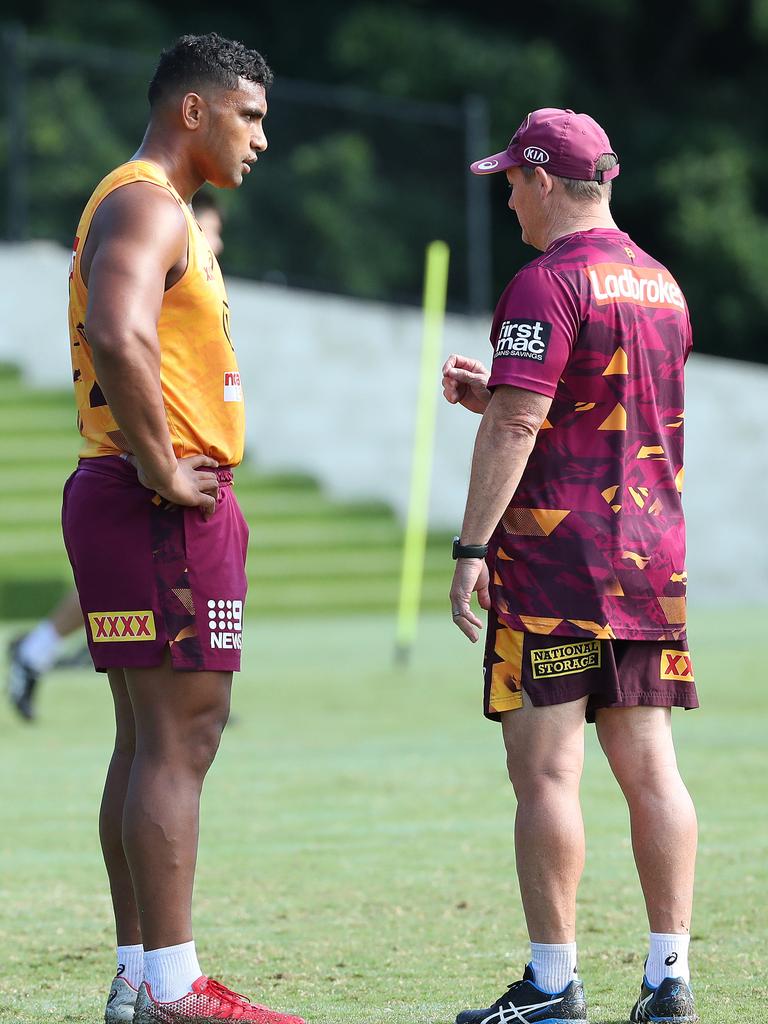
524, 1003
671, 1001
22, 681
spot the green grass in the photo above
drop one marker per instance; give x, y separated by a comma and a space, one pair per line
356, 859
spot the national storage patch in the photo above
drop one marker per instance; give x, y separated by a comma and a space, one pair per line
566, 659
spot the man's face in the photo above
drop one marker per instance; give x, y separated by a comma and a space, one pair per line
210, 221
526, 200
234, 133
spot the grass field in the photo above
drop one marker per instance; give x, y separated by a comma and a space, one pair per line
356, 859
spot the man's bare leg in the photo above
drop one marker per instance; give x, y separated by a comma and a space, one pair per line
111, 815
545, 756
67, 616
179, 720
638, 745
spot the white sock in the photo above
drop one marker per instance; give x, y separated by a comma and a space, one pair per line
39, 647
130, 964
668, 958
554, 965
169, 972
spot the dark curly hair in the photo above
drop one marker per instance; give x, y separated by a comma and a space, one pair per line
193, 61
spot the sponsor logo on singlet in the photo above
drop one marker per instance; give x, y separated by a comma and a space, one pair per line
642, 286
225, 623
523, 339
566, 659
233, 389
75, 246
676, 666
121, 627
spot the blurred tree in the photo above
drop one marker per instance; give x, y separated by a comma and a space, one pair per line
346, 200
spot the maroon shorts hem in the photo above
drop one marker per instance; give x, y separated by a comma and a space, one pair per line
151, 578
557, 670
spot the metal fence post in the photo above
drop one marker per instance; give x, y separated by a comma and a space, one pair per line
14, 38
476, 133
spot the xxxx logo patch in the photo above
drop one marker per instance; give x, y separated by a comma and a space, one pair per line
117, 627
676, 666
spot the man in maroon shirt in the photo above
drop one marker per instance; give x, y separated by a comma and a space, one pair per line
574, 539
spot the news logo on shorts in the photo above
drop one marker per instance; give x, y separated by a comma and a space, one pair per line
233, 389
225, 623
523, 339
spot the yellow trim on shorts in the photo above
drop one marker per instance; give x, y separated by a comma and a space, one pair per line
509, 647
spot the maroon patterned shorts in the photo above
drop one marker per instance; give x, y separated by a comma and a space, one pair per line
150, 577
559, 669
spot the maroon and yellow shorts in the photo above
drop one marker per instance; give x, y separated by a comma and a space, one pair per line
559, 669
149, 577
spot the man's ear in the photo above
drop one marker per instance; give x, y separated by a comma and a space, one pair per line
544, 181
193, 108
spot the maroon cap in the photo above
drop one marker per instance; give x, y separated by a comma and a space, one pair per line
563, 142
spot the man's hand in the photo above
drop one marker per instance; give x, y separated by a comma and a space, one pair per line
464, 383
471, 574
187, 485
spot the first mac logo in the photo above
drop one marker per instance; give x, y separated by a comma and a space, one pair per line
523, 339
119, 627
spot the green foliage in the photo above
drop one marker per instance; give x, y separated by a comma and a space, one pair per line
715, 220
346, 199
407, 53
70, 141
341, 196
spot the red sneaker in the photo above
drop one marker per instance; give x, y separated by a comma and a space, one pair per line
207, 1003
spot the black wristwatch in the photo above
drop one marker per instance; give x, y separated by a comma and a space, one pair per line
468, 550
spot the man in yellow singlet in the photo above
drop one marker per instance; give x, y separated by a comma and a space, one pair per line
31, 655
154, 533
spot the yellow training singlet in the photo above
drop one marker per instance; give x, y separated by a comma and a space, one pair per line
199, 376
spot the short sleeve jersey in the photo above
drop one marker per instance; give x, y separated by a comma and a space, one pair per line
199, 375
593, 541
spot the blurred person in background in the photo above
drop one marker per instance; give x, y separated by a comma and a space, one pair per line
33, 654
153, 531
574, 539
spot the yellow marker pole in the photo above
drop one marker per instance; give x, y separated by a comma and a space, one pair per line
412, 574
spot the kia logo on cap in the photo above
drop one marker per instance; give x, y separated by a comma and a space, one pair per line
534, 155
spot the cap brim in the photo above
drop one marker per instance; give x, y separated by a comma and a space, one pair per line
492, 164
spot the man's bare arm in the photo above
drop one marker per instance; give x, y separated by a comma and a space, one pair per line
140, 237
503, 445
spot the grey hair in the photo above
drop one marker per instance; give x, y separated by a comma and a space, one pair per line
586, 191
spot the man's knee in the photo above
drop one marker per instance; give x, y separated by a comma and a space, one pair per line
545, 746
533, 777
203, 739
638, 745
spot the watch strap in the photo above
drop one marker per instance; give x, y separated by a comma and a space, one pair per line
468, 550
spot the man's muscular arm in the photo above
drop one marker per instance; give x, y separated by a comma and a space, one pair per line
139, 237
